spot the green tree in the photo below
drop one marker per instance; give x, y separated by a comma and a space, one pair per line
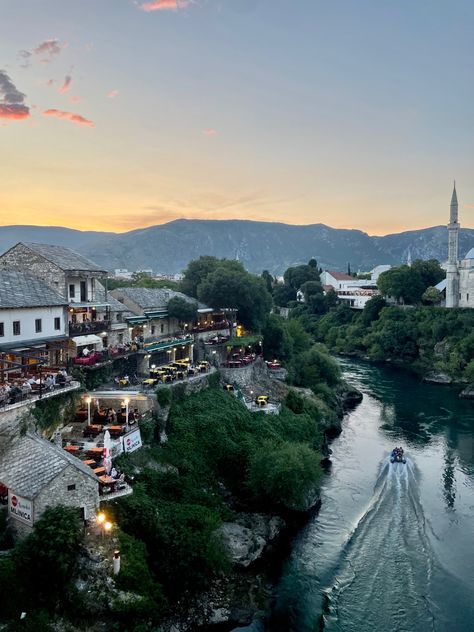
184, 311
430, 271
283, 294
286, 472
295, 277
313, 263
431, 296
277, 342
197, 271
403, 283
372, 309
238, 289
269, 280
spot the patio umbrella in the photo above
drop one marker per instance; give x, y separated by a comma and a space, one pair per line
107, 452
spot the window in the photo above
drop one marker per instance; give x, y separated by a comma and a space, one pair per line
119, 317
38, 325
16, 328
57, 323
120, 339
72, 290
152, 329
467, 296
162, 328
2, 329
71, 488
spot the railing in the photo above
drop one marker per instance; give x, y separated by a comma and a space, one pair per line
44, 393
95, 326
211, 327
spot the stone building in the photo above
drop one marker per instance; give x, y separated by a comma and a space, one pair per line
33, 318
76, 279
38, 475
459, 273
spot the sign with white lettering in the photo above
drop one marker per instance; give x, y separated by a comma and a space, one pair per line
20, 508
132, 441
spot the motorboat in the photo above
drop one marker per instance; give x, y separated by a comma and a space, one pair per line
397, 456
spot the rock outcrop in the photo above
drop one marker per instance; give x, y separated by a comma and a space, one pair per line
247, 537
437, 377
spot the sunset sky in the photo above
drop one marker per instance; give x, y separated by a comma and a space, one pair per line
117, 114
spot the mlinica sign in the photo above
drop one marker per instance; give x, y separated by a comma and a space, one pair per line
20, 508
132, 441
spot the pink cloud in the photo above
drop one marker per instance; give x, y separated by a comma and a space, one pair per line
164, 5
66, 84
74, 99
15, 112
112, 94
69, 116
49, 49
209, 131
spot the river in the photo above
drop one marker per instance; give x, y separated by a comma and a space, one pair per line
393, 545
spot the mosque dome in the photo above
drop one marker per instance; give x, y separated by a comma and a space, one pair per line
470, 254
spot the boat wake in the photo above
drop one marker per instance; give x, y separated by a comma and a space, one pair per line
383, 578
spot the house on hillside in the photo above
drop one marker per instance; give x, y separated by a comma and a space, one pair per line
93, 321
36, 474
355, 292
165, 339
33, 319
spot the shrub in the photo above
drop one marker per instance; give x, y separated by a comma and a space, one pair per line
163, 395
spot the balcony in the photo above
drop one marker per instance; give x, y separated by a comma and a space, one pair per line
92, 327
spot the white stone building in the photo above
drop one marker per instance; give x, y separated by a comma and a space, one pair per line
355, 292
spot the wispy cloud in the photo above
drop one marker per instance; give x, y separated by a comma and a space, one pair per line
69, 116
25, 57
48, 50
12, 104
164, 5
209, 131
66, 85
112, 94
74, 98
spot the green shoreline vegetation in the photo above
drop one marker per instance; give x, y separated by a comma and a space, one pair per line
220, 459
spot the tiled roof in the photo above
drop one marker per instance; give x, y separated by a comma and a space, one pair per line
340, 276
29, 463
20, 289
115, 306
64, 258
154, 298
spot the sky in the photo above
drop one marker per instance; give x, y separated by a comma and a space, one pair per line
121, 114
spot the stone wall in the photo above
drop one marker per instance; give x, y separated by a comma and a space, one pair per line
22, 258
85, 495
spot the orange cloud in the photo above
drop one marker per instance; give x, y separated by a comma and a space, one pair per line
69, 116
209, 131
66, 84
49, 48
75, 99
164, 5
14, 112
112, 94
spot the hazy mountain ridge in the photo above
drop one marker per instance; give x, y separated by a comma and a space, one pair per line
167, 248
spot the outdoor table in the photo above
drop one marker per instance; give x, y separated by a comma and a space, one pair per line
115, 431
95, 452
151, 381
99, 471
90, 462
72, 448
93, 430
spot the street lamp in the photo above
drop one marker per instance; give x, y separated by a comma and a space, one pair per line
88, 402
127, 401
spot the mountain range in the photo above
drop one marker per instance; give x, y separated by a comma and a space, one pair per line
167, 248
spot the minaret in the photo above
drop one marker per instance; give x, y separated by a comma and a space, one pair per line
452, 271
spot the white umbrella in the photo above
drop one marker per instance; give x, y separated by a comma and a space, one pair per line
107, 452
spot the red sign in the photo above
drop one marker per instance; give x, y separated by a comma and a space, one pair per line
14, 501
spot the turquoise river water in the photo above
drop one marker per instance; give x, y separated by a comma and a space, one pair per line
393, 545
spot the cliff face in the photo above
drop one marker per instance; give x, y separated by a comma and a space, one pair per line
168, 248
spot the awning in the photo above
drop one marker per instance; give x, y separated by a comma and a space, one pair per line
157, 314
136, 320
80, 341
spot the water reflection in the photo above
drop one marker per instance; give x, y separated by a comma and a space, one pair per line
387, 550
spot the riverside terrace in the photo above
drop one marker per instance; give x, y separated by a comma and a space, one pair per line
21, 384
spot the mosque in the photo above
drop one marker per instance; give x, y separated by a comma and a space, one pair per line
459, 273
